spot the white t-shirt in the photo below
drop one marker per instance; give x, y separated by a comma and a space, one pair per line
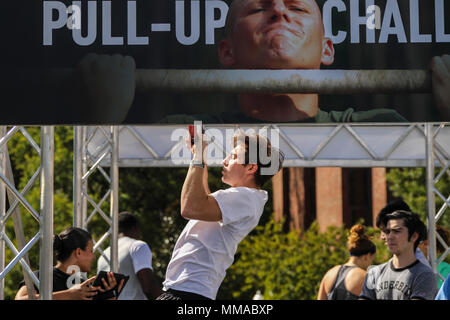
134, 255
205, 250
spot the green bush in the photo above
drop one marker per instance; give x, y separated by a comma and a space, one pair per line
288, 265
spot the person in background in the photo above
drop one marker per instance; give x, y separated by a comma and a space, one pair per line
444, 291
403, 277
443, 268
74, 253
389, 208
344, 282
135, 260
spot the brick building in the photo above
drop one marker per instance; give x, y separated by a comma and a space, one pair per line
332, 196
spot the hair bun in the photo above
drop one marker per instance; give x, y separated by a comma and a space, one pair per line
57, 243
357, 234
358, 229
358, 242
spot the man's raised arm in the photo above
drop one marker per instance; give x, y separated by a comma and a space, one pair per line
196, 201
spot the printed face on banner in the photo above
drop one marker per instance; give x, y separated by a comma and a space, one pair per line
275, 34
73, 62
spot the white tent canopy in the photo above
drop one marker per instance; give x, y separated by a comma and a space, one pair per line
343, 145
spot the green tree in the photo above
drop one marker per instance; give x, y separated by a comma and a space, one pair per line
410, 184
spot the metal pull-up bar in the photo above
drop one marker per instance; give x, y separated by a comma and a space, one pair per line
273, 81
285, 81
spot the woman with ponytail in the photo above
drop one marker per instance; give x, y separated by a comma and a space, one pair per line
344, 282
74, 254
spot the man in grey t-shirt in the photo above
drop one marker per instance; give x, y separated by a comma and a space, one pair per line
385, 282
403, 277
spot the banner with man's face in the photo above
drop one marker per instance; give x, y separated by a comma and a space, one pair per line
241, 61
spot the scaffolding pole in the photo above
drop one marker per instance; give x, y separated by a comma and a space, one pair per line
2, 212
46, 214
77, 173
431, 207
84, 183
114, 173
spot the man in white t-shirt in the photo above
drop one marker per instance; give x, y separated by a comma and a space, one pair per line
218, 221
135, 260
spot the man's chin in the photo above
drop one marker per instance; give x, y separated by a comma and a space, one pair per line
226, 181
392, 250
283, 59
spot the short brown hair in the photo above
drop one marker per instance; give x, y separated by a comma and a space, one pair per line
274, 154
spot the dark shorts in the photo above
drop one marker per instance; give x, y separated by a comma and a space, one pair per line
180, 295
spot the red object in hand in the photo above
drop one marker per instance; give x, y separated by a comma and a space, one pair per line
191, 133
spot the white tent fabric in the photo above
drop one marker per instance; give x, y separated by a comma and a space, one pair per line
342, 145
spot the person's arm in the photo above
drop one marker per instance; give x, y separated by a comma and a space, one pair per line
322, 295
22, 294
440, 74
205, 180
444, 291
148, 283
141, 256
78, 292
196, 202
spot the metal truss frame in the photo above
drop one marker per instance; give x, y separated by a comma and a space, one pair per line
435, 153
85, 164
340, 145
402, 145
44, 215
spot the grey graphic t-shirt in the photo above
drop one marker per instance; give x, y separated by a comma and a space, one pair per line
384, 282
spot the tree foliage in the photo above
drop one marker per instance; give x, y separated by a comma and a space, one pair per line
410, 184
288, 265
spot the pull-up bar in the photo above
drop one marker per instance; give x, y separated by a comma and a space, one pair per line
285, 81
274, 81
